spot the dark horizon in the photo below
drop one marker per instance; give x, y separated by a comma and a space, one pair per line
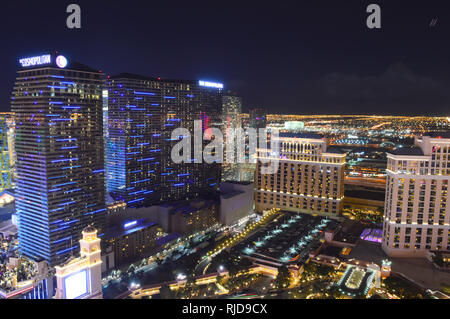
295, 58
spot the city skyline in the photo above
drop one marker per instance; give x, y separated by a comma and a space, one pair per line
306, 60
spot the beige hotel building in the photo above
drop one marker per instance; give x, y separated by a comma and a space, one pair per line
309, 179
417, 214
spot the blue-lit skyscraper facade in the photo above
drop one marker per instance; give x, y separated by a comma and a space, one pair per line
60, 158
142, 113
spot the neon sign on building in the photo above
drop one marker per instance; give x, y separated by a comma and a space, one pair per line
61, 61
210, 84
36, 60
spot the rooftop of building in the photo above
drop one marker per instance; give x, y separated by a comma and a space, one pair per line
133, 76
301, 135
227, 195
7, 226
238, 182
334, 150
119, 231
349, 231
411, 151
228, 189
9, 191
6, 212
190, 207
89, 229
73, 65
167, 239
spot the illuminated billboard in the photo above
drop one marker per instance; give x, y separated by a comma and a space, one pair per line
211, 84
36, 60
76, 285
60, 61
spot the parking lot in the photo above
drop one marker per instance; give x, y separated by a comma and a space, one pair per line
288, 239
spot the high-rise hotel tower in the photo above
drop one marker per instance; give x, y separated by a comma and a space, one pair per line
417, 213
142, 113
309, 179
231, 109
59, 149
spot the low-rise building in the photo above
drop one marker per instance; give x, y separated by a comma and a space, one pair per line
8, 229
22, 278
188, 217
236, 201
133, 239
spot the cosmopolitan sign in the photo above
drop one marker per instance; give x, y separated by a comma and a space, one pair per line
36, 60
211, 84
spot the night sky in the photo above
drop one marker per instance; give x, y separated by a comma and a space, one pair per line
302, 57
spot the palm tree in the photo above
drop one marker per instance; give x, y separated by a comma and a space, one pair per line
283, 279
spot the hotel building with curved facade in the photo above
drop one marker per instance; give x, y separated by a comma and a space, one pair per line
417, 214
309, 179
